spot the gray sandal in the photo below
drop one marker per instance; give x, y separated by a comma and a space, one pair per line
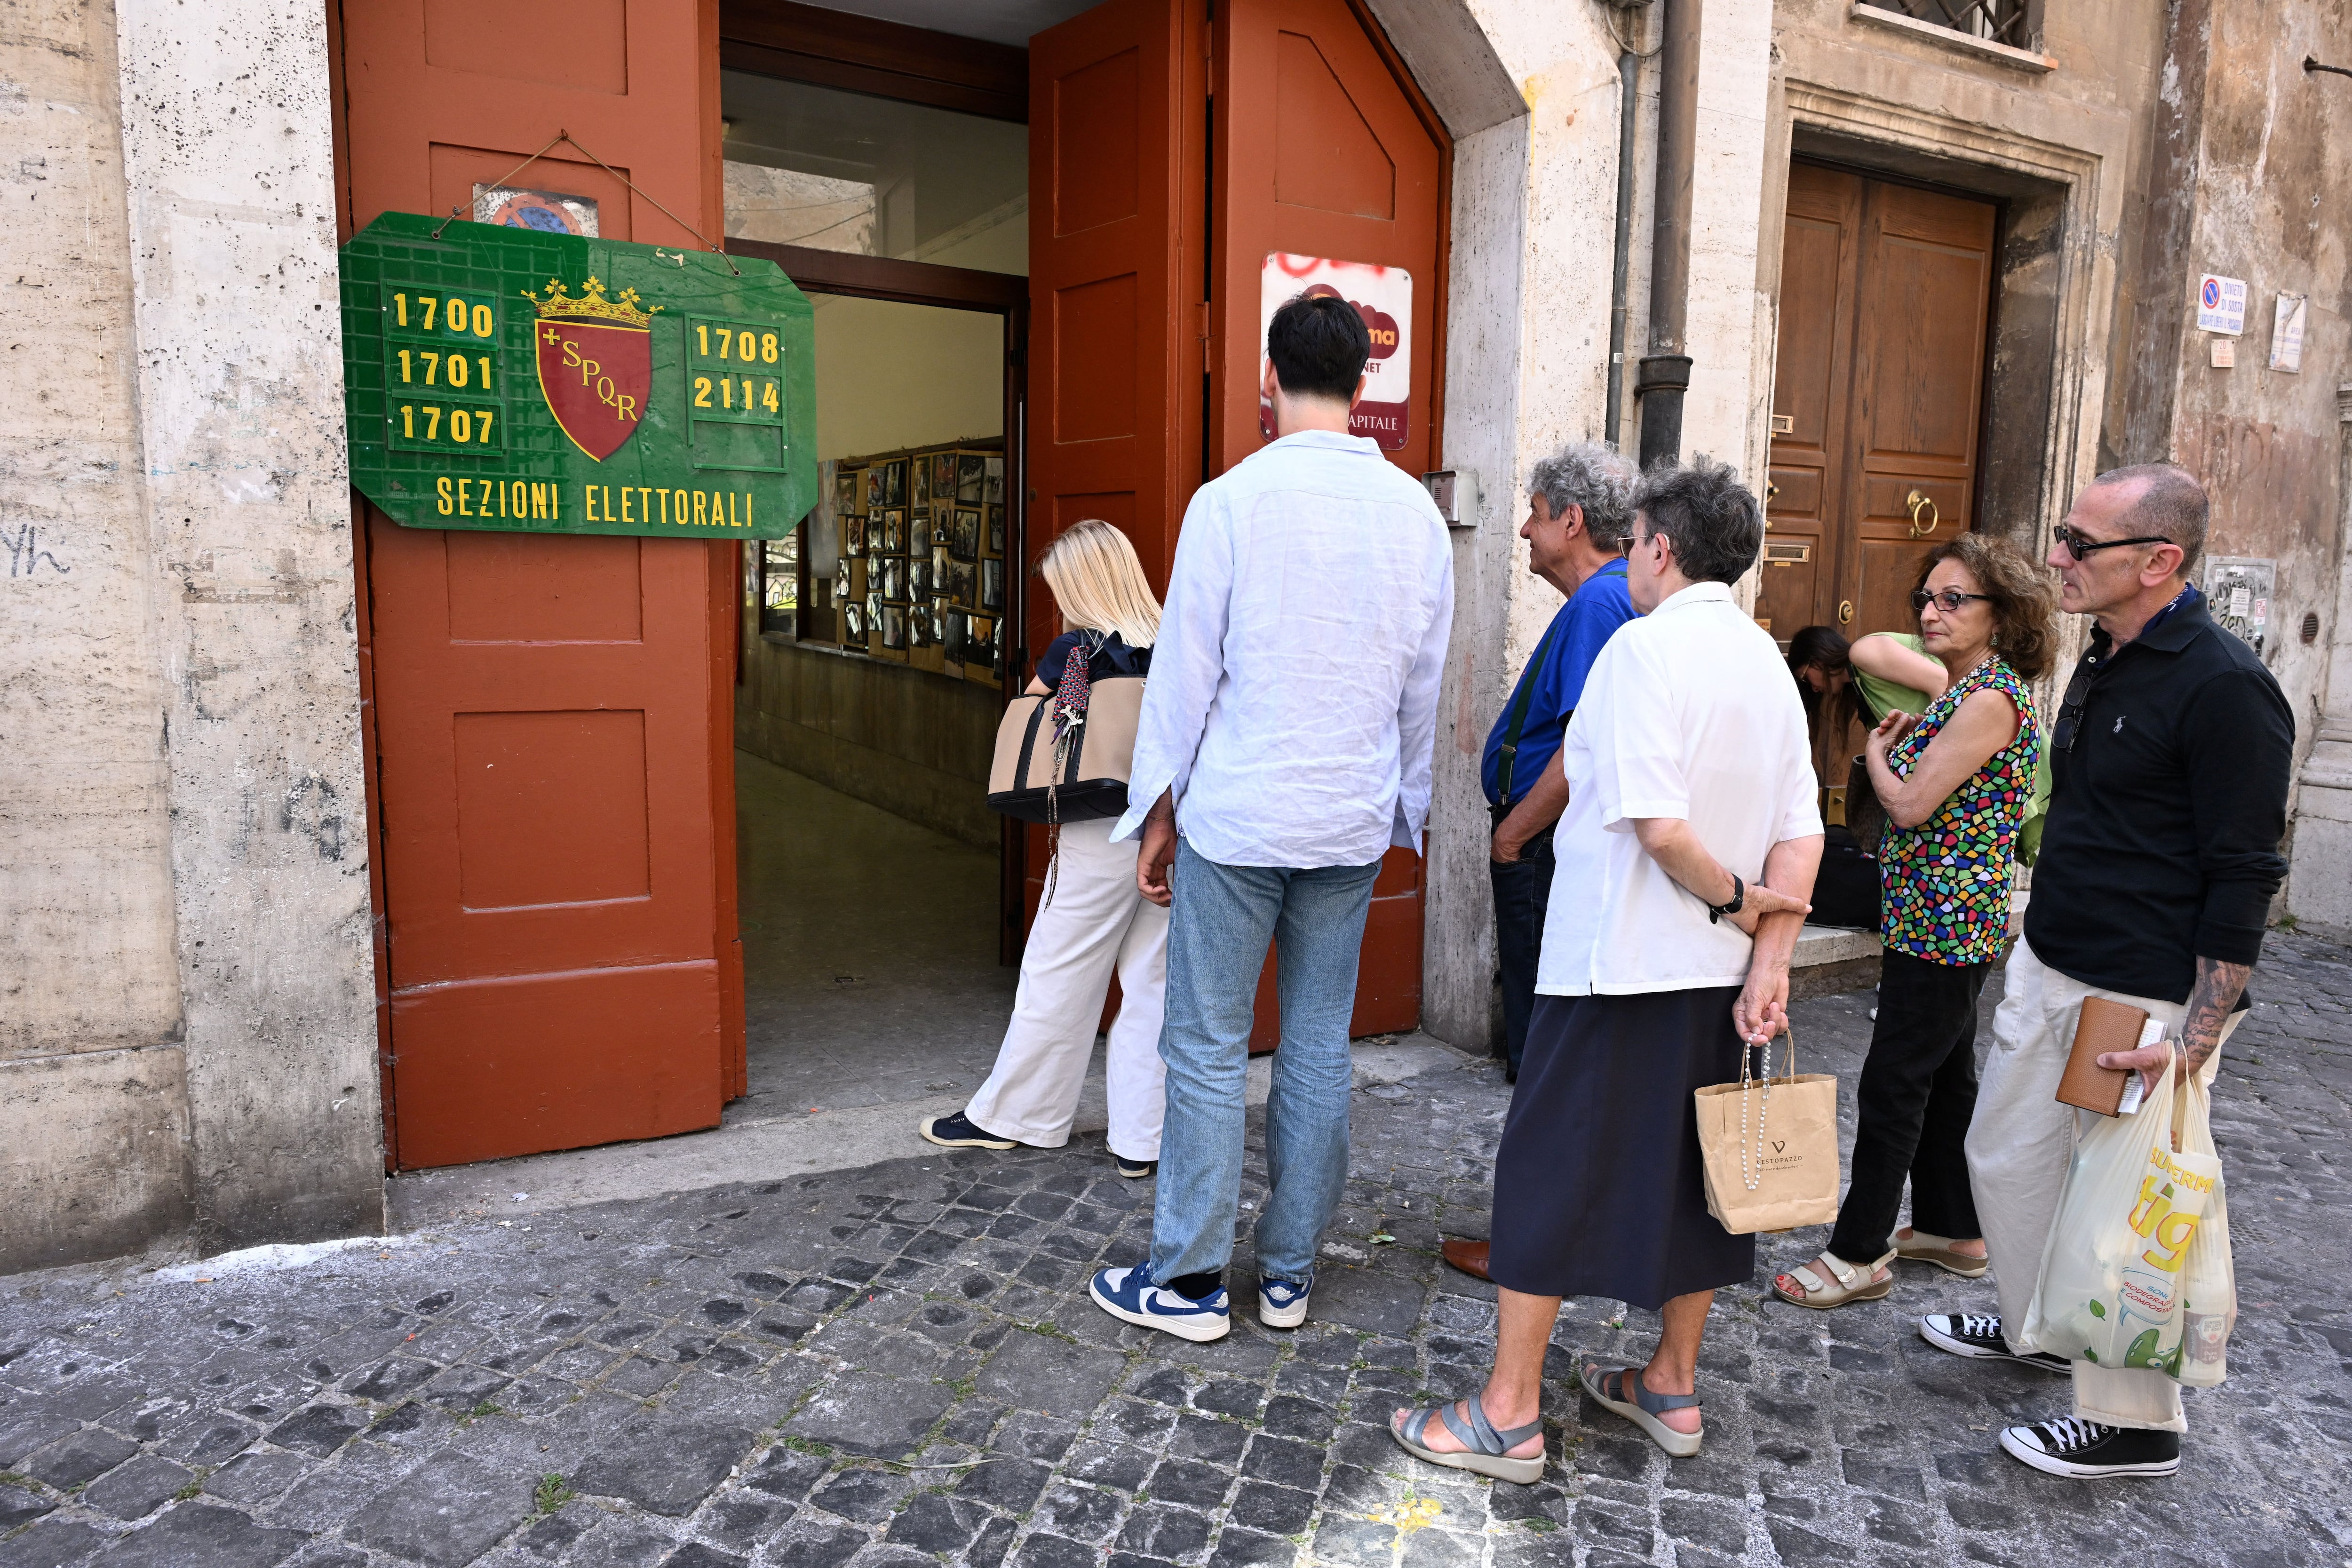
1644, 1408
1488, 1446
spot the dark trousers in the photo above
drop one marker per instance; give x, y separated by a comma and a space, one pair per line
1917, 1091
1522, 893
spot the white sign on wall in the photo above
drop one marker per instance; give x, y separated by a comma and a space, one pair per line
2220, 304
1383, 296
2286, 334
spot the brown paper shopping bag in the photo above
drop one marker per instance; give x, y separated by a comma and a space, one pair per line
1770, 1147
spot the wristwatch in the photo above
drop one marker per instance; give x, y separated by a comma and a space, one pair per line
1739, 901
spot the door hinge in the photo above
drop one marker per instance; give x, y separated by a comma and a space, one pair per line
1202, 323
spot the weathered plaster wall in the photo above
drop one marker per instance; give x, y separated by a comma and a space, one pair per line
2266, 160
1530, 93
228, 157
93, 1148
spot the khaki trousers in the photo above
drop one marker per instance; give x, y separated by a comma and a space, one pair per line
2019, 1144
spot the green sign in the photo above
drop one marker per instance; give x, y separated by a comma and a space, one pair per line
505, 378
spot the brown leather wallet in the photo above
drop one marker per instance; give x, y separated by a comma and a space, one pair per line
2104, 1026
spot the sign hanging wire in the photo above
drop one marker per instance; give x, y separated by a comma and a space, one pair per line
562, 136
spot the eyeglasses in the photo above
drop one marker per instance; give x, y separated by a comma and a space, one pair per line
2077, 546
2069, 709
1950, 599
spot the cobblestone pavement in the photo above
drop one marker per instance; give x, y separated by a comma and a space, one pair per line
895, 1366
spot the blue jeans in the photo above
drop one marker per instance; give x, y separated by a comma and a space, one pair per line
1222, 919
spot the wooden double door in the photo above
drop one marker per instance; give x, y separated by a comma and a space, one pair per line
1886, 295
1172, 151
549, 719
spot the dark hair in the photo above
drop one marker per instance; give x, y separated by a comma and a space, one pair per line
2170, 503
1823, 648
1318, 345
1588, 474
2024, 599
1713, 518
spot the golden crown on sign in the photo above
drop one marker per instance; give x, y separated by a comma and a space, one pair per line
592, 305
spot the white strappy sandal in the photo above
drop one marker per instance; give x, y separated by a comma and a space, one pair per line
1849, 1283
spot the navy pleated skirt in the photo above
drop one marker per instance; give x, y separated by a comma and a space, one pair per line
1598, 1187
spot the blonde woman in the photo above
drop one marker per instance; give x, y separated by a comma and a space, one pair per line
1098, 922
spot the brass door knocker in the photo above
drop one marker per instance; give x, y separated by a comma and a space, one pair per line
1916, 502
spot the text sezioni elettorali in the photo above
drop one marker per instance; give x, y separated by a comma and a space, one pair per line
533, 500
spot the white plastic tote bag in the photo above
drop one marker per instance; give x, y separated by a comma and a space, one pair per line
2209, 1305
2112, 1287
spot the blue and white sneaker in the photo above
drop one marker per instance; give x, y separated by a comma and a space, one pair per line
1130, 1295
1282, 1303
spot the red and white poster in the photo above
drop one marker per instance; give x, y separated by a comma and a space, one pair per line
1383, 296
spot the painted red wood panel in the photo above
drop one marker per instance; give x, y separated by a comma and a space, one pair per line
552, 715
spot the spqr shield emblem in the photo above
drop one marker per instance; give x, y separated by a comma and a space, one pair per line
595, 363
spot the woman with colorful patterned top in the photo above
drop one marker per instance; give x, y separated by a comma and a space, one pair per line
1956, 781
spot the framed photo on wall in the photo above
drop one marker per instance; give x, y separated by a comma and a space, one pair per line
971, 469
996, 531
894, 626
995, 490
991, 584
848, 490
963, 535
894, 532
955, 631
921, 477
853, 622
979, 651
918, 534
894, 578
873, 491
943, 474
894, 483
918, 578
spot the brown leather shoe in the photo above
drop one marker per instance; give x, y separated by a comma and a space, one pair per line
1470, 1257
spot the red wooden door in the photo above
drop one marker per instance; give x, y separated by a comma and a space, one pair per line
1324, 147
1118, 138
554, 790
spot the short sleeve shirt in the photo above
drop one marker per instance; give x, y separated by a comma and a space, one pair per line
1579, 632
1688, 712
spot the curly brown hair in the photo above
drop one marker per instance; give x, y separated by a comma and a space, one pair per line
2024, 597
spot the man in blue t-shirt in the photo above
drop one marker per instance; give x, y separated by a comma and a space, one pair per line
1580, 513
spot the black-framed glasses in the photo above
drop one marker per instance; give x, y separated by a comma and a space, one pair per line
1949, 600
2077, 546
2069, 709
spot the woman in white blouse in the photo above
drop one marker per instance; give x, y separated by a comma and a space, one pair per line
1685, 858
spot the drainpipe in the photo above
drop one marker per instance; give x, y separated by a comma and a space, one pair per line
1628, 63
1665, 371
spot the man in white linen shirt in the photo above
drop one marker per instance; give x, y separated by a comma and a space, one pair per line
1689, 789
1284, 746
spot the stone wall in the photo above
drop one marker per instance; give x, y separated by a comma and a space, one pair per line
187, 1030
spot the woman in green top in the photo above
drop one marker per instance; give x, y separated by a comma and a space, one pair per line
1886, 672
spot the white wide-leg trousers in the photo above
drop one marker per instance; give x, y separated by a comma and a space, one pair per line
2019, 1144
1097, 924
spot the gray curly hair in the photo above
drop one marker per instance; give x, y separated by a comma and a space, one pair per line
1592, 475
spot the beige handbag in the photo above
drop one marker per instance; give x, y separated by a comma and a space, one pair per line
1770, 1147
1080, 778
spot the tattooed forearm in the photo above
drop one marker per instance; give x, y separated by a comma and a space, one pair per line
2217, 988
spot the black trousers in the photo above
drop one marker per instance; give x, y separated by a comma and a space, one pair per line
1522, 894
1918, 1090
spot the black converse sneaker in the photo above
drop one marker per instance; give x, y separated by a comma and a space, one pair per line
1976, 1335
2087, 1451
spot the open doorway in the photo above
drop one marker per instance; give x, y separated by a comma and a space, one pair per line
872, 879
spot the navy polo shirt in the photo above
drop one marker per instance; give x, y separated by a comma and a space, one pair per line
1593, 613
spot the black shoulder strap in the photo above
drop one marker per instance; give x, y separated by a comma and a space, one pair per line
1519, 700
